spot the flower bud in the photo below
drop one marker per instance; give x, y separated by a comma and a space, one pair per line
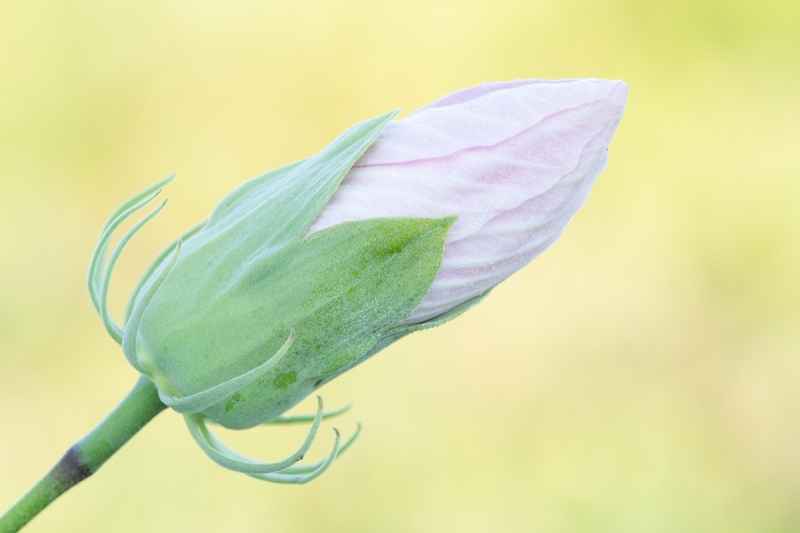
304, 272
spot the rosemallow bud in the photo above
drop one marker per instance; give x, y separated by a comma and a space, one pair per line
302, 273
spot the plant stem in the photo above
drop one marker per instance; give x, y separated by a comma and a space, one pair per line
87, 455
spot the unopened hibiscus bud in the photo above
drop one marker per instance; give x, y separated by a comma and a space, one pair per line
302, 273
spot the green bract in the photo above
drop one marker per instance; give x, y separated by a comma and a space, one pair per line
243, 316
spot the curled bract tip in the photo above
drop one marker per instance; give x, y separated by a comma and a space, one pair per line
283, 471
98, 278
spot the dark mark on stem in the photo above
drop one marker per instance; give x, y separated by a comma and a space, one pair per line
71, 468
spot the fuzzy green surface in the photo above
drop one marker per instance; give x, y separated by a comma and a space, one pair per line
339, 290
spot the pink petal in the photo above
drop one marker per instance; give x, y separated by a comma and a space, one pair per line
514, 160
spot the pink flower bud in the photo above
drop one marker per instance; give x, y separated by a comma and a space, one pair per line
515, 161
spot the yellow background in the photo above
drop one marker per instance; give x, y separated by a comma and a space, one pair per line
643, 375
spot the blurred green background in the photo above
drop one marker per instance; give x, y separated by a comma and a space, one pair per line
642, 375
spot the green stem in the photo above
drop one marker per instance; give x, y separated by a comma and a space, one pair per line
87, 455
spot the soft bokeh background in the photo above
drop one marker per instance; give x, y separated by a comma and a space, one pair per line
642, 375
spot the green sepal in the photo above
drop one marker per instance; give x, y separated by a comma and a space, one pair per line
340, 289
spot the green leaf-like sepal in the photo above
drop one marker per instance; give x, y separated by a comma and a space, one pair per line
340, 290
